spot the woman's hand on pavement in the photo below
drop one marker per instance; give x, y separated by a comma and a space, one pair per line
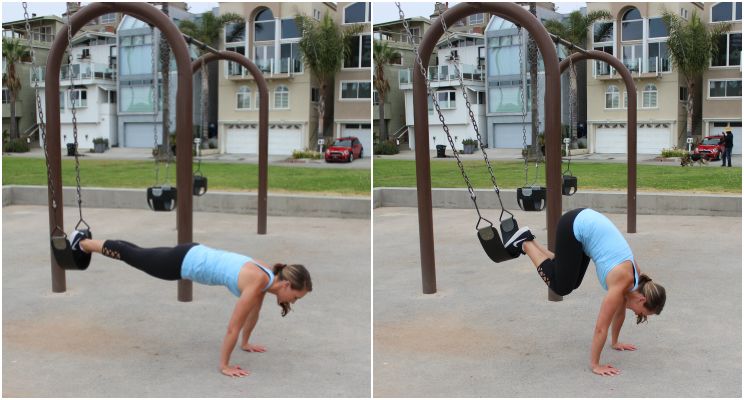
253, 348
605, 370
234, 371
624, 346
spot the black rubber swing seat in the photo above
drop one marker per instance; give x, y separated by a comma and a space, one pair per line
531, 198
570, 185
492, 243
67, 258
200, 184
162, 198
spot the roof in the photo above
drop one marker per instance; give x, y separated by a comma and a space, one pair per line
399, 21
85, 35
457, 35
32, 20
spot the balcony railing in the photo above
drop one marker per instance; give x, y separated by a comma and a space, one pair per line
78, 71
639, 66
445, 73
399, 37
269, 67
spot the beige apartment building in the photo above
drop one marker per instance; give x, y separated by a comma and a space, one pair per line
722, 81
353, 84
638, 38
270, 38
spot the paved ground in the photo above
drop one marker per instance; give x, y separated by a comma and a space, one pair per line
489, 331
516, 155
117, 332
118, 153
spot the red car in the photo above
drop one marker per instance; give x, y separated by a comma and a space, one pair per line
344, 149
711, 147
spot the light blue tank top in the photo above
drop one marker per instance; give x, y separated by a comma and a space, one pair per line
210, 266
603, 243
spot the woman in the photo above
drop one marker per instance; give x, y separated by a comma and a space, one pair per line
585, 234
247, 278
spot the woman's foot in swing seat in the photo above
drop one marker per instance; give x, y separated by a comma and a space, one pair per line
514, 244
77, 237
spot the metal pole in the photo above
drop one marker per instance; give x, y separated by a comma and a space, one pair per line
632, 123
153, 16
520, 16
263, 124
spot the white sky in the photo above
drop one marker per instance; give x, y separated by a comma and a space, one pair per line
387, 11
13, 11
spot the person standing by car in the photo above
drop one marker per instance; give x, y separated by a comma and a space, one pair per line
728, 140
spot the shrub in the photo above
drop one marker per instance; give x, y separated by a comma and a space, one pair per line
673, 152
101, 141
307, 153
386, 148
469, 142
16, 146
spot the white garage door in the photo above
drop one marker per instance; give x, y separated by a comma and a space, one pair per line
140, 135
717, 129
650, 140
361, 131
509, 136
283, 139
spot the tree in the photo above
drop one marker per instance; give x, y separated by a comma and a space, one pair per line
324, 46
13, 52
574, 29
691, 46
207, 30
383, 55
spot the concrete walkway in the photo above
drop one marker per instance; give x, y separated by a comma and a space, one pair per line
490, 331
117, 332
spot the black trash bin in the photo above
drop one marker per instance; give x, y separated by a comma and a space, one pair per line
71, 149
440, 151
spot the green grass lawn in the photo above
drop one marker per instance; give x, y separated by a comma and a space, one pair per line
222, 176
591, 176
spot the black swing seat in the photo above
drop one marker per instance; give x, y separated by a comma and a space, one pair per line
162, 198
200, 184
531, 198
570, 185
492, 244
66, 258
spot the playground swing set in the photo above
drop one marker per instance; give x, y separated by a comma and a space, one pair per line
161, 197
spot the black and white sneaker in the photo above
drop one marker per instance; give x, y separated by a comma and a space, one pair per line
514, 244
76, 237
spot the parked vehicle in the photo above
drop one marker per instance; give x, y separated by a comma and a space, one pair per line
344, 149
710, 148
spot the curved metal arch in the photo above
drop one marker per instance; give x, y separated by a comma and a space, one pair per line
263, 123
632, 121
522, 17
184, 107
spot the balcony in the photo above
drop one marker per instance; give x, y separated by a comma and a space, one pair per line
397, 37
444, 75
639, 68
271, 68
82, 74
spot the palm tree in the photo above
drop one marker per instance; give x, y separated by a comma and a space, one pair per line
691, 46
207, 30
383, 55
13, 52
574, 29
324, 46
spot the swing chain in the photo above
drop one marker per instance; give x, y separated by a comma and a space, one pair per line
74, 115
153, 97
522, 96
572, 106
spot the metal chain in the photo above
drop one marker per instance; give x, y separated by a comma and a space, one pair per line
470, 112
572, 105
522, 84
153, 97
74, 116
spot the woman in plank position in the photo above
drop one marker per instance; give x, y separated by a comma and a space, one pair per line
247, 278
585, 234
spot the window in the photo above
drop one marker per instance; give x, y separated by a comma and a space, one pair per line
243, 97
632, 54
724, 88
476, 19
480, 97
357, 12
316, 14
108, 18
601, 67
137, 98
61, 100
632, 25
79, 98
314, 95
502, 52
264, 57
504, 99
657, 28
729, 51
281, 97
234, 68
658, 57
289, 29
264, 26
235, 32
447, 99
683, 94
397, 59
416, 34
6, 97
649, 96
725, 11
603, 32
375, 98
360, 52
135, 59
112, 96
356, 90
683, 13
612, 97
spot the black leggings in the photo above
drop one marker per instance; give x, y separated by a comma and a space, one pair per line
160, 262
565, 272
